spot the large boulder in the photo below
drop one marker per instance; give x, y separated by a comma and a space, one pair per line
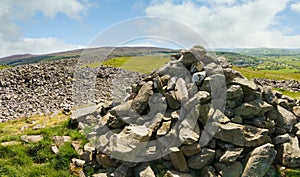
242, 135
260, 160
290, 153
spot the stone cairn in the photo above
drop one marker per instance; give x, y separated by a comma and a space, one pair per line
47, 87
170, 126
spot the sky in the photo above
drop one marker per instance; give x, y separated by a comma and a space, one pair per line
46, 26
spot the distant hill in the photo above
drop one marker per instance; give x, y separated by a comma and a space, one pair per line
15, 60
262, 51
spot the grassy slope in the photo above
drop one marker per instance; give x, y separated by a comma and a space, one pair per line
3, 67
36, 159
142, 64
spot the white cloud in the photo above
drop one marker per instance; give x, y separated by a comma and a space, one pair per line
12, 11
296, 7
36, 46
243, 24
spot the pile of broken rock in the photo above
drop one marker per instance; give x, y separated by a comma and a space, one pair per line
177, 122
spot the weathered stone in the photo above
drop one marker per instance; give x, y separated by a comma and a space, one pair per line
198, 77
106, 161
281, 139
164, 128
154, 125
140, 103
181, 92
231, 74
242, 135
61, 140
260, 160
234, 169
253, 109
196, 67
172, 101
296, 110
54, 149
178, 160
192, 89
176, 174
290, 153
204, 113
190, 150
122, 171
187, 58
143, 170
172, 83
10, 143
285, 119
234, 91
198, 161
165, 79
32, 138
208, 171
176, 69
245, 84
157, 84
231, 155
269, 96
128, 143
78, 162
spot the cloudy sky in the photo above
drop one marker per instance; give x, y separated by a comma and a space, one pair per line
44, 26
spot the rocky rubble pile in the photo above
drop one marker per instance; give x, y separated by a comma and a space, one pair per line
177, 122
290, 85
47, 87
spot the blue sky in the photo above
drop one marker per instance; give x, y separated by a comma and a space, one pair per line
35, 26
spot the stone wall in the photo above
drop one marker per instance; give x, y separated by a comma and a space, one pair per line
174, 123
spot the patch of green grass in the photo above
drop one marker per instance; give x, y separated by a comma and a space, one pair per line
291, 172
284, 74
295, 95
37, 159
4, 67
142, 64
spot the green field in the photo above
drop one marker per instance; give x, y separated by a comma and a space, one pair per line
283, 74
142, 64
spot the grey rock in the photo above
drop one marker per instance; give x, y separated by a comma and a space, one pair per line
290, 153
234, 169
253, 109
198, 77
172, 83
231, 155
260, 160
242, 135
139, 104
234, 91
296, 110
61, 140
208, 171
178, 160
143, 170
190, 150
281, 139
176, 174
187, 58
176, 69
181, 92
164, 128
172, 101
286, 119
32, 138
198, 161
196, 67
